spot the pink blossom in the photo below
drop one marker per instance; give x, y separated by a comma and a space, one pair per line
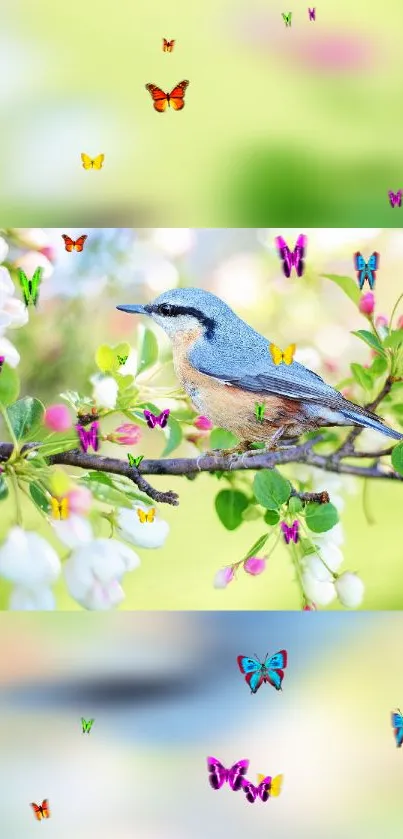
127, 434
80, 500
367, 303
203, 423
49, 252
253, 565
224, 576
57, 418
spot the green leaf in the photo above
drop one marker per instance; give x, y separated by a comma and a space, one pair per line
271, 489
271, 517
397, 458
25, 416
307, 547
295, 504
230, 504
105, 490
254, 550
3, 489
347, 285
9, 385
107, 359
379, 366
221, 439
38, 496
395, 339
173, 431
147, 349
370, 339
362, 376
321, 517
251, 513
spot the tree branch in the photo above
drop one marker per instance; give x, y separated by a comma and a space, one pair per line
347, 446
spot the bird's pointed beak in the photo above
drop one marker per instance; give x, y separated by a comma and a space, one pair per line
134, 309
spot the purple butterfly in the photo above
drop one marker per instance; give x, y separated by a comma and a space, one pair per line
290, 533
161, 420
312, 13
252, 792
2, 360
88, 438
395, 198
219, 774
292, 259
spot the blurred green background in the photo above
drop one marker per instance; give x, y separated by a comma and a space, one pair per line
281, 125
165, 691
76, 313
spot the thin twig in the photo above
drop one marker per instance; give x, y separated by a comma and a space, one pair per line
347, 446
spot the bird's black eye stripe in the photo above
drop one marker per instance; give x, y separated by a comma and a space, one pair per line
166, 309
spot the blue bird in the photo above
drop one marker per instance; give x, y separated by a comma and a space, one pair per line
226, 368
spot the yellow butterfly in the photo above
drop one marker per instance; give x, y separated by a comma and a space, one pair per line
286, 355
92, 163
60, 508
275, 786
143, 516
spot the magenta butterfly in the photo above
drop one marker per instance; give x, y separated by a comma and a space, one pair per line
395, 198
261, 791
312, 13
290, 533
219, 774
88, 438
292, 259
161, 420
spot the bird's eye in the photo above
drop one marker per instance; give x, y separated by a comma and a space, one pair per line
166, 309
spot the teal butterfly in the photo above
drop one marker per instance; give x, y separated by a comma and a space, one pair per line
30, 288
86, 725
287, 18
135, 461
259, 411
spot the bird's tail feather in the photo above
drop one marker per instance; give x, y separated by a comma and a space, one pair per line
360, 416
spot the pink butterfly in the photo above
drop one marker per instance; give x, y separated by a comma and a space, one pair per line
161, 420
218, 774
312, 13
290, 533
262, 790
292, 259
88, 438
395, 198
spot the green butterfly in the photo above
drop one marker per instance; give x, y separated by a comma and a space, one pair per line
135, 461
122, 359
259, 411
30, 288
86, 725
287, 18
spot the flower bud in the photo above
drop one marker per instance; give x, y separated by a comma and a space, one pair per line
367, 304
57, 418
253, 565
223, 577
350, 590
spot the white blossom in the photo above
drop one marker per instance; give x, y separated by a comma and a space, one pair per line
105, 391
350, 590
94, 572
27, 560
148, 534
319, 592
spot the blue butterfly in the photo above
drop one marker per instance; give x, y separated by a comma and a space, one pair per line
397, 724
366, 270
270, 670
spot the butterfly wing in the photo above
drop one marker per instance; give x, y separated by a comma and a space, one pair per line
276, 353
150, 418
164, 45
252, 670
86, 161
236, 774
284, 253
93, 436
372, 268
276, 786
68, 243
163, 418
64, 508
217, 773
160, 99
150, 516
83, 437
171, 45
79, 243
142, 515
24, 283
275, 667
295, 531
98, 161
176, 96
130, 459
263, 789
288, 354
286, 532
360, 267
299, 253
45, 808
397, 724
250, 790
137, 460
37, 811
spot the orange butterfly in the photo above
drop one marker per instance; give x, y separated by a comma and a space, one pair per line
174, 99
167, 46
72, 245
41, 811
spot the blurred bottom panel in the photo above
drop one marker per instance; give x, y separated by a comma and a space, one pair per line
164, 692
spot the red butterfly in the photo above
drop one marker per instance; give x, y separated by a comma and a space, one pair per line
174, 99
72, 245
167, 46
41, 811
